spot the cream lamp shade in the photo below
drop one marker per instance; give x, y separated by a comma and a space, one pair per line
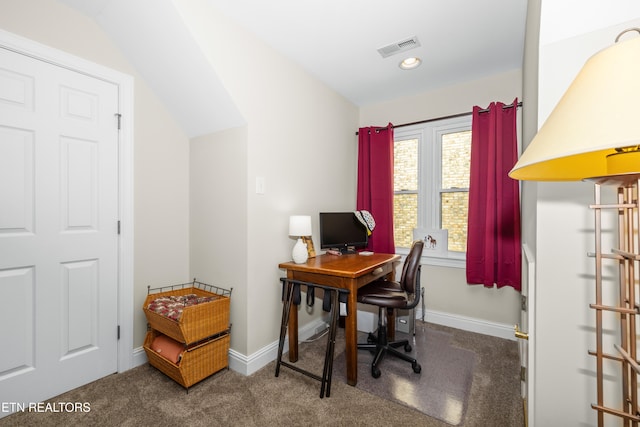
300, 225
594, 130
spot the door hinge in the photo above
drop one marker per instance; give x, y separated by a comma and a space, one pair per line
118, 117
118, 332
523, 374
523, 302
118, 227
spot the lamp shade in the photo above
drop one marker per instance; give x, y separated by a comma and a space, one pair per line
299, 225
599, 113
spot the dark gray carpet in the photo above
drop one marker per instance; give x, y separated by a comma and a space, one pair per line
440, 391
144, 396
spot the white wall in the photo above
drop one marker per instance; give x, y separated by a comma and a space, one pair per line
528, 198
565, 374
300, 138
530, 119
446, 290
161, 149
218, 206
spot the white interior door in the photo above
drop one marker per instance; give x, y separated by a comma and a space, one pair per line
58, 228
527, 325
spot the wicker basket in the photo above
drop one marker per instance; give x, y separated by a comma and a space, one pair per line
197, 321
198, 361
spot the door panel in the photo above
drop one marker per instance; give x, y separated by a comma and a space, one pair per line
78, 185
58, 228
16, 181
80, 308
17, 285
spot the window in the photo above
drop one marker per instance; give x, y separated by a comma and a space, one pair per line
431, 184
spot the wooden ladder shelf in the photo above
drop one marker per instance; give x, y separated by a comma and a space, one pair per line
623, 352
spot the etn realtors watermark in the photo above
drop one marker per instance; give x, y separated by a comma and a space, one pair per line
54, 407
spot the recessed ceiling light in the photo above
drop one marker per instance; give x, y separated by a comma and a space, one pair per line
410, 63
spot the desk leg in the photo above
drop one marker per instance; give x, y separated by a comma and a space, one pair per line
351, 339
293, 333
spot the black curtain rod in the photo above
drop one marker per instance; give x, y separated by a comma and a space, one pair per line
453, 116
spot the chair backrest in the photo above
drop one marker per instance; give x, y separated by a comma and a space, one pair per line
410, 278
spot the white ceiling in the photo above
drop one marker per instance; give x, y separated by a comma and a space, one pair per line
337, 40
334, 40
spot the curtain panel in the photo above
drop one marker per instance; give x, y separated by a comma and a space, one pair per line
493, 239
375, 184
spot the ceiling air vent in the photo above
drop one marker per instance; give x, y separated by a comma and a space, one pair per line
398, 47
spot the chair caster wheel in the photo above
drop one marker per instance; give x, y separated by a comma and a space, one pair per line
416, 367
375, 372
407, 348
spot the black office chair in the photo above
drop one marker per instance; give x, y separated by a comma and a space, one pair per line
391, 295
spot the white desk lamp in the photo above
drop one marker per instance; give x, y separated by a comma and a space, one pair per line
300, 226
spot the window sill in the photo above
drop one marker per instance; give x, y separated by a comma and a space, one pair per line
449, 259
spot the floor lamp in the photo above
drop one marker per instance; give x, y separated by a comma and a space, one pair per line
593, 134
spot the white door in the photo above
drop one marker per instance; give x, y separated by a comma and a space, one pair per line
58, 229
526, 335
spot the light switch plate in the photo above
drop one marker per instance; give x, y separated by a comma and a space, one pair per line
259, 185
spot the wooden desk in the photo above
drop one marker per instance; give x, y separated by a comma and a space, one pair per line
348, 272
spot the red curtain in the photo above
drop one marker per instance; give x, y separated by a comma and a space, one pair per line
493, 239
375, 184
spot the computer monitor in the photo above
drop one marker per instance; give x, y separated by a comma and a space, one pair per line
342, 231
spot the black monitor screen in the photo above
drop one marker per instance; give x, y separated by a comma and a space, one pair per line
341, 231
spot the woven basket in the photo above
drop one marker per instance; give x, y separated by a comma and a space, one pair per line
198, 362
197, 321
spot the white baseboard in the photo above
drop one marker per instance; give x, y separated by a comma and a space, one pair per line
470, 324
139, 357
256, 361
247, 365
367, 322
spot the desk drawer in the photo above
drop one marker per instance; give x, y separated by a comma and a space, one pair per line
379, 272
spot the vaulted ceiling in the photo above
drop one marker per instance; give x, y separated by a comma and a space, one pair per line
337, 41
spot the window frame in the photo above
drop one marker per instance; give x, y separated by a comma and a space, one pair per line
429, 139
